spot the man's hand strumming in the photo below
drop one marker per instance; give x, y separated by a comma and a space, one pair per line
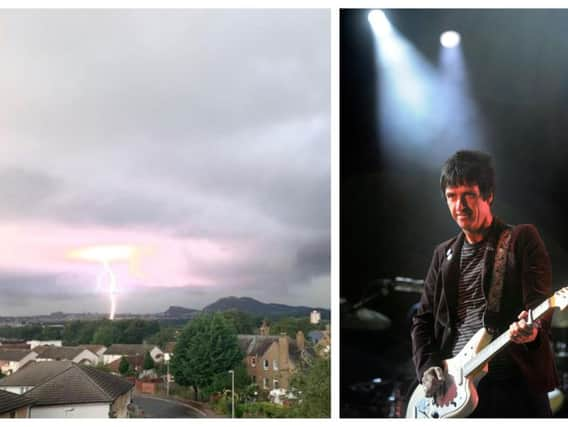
433, 381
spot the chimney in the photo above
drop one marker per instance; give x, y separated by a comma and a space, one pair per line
300, 341
283, 351
264, 329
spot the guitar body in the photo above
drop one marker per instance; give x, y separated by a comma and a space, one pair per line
460, 398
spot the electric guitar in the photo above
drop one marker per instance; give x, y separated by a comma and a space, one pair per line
464, 371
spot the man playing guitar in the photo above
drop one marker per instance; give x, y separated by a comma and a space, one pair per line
453, 306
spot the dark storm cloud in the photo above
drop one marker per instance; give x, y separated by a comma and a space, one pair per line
207, 124
22, 191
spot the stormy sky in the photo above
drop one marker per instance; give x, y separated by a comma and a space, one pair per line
197, 139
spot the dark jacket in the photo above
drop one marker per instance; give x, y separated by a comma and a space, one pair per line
527, 282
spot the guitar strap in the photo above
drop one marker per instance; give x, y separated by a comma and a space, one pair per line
496, 289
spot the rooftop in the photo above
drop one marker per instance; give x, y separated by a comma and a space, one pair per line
129, 349
58, 353
65, 382
13, 355
11, 401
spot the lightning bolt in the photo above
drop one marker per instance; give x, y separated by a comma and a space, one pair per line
104, 255
111, 286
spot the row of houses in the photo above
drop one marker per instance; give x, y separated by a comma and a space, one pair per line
50, 380
272, 359
13, 356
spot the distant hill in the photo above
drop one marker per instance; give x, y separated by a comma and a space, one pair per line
268, 310
175, 312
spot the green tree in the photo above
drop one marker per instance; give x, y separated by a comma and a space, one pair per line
123, 366
106, 334
136, 330
162, 337
148, 361
206, 348
244, 323
291, 325
222, 381
314, 384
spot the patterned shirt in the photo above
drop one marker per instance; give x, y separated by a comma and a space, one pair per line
471, 298
471, 306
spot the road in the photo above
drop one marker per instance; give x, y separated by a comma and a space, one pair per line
158, 407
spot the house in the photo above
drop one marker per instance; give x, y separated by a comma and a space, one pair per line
116, 351
270, 359
14, 345
14, 406
37, 343
96, 349
321, 341
13, 359
64, 389
74, 354
136, 363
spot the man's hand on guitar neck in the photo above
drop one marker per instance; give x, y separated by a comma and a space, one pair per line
521, 332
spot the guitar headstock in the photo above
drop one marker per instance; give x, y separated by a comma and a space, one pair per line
560, 298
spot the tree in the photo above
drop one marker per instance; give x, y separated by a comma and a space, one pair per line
244, 323
291, 325
314, 384
161, 338
222, 381
206, 348
106, 334
123, 366
148, 361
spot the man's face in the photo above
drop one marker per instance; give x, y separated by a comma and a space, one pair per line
467, 207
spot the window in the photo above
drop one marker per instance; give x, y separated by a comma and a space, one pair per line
275, 383
253, 361
253, 379
265, 364
265, 383
275, 364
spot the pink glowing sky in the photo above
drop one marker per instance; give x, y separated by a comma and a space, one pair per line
117, 127
163, 261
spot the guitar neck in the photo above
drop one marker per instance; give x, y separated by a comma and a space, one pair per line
498, 344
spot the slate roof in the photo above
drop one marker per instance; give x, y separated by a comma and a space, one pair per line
92, 347
257, 345
13, 355
6, 345
315, 336
129, 349
35, 373
65, 382
12, 401
253, 345
58, 353
79, 384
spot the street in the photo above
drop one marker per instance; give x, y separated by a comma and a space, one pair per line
159, 407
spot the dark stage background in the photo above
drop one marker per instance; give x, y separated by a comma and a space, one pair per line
391, 211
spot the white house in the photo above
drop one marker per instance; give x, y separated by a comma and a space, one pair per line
36, 343
63, 389
74, 354
13, 359
99, 350
116, 351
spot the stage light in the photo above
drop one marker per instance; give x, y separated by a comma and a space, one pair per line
450, 39
379, 22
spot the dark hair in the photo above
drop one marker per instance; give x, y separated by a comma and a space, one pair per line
467, 167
